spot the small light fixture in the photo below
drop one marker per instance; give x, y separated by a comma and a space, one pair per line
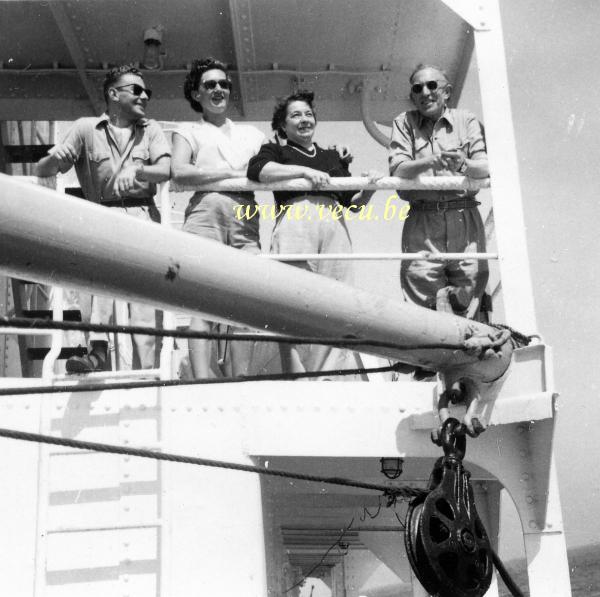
391, 467
153, 57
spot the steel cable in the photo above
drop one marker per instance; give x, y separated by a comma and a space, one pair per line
25, 323
506, 577
404, 492
167, 383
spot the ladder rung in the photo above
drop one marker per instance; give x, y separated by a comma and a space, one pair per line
20, 154
121, 527
68, 315
75, 192
36, 354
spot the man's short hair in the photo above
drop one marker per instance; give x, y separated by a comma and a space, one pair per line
193, 78
114, 74
423, 66
280, 111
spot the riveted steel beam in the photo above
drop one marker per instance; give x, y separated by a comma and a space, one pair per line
245, 55
77, 54
476, 13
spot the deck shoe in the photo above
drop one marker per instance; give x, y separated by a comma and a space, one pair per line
85, 364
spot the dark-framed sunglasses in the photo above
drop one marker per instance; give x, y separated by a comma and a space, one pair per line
222, 83
136, 89
431, 85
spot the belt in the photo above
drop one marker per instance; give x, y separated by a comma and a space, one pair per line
128, 202
443, 205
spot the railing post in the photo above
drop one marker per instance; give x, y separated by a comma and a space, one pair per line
56, 304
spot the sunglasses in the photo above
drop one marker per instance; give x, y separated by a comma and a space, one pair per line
136, 89
222, 83
418, 87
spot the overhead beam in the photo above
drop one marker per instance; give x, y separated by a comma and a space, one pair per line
245, 55
66, 29
42, 239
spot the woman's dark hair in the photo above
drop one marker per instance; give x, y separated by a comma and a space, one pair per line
280, 111
192, 79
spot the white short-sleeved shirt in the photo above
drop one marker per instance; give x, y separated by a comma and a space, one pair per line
228, 146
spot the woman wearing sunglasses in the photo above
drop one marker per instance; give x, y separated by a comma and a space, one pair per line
308, 221
211, 149
436, 140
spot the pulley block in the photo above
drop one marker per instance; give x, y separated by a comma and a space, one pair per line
446, 542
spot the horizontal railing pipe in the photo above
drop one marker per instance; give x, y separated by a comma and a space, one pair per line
377, 256
342, 183
349, 183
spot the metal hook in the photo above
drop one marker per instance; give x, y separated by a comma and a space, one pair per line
453, 439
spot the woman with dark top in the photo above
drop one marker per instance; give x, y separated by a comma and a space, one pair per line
316, 223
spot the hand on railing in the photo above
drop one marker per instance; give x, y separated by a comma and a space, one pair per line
343, 183
349, 183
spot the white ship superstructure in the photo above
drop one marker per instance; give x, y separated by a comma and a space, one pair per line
80, 521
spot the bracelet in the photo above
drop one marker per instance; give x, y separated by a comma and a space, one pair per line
139, 171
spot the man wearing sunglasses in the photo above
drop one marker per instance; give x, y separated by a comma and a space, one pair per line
435, 140
118, 157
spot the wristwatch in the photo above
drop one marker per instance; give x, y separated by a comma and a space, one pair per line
462, 169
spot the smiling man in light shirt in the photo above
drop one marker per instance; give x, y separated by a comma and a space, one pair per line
118, 157
435, 140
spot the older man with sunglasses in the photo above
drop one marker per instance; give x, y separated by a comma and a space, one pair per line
118, 157
436, 140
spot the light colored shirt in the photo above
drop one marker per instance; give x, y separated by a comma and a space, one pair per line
121, 135
222, 147
100, 158
415, 137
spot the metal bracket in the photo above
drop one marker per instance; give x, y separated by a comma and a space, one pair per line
364, 87
477, 14
77, 54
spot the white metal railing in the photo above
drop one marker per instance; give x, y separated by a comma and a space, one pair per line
448, 183
437, 183
56, 303
376, 256
346, 183
166, 368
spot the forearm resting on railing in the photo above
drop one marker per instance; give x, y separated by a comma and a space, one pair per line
188, 174
349, 183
